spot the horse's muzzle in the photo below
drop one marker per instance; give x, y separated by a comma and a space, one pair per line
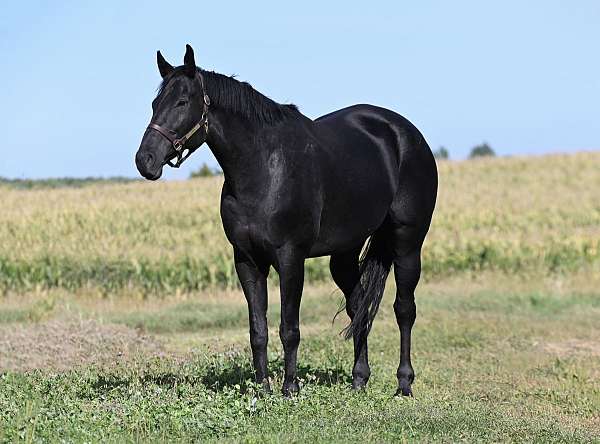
147, 165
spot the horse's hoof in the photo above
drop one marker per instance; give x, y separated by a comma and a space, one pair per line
290, 389
404, 389
406, 376
359, 383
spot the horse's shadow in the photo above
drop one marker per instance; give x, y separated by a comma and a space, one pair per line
324, 376
235, 374
241, 376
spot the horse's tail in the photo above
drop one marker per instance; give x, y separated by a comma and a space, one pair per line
374, 267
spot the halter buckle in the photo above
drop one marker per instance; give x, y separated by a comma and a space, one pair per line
178, 145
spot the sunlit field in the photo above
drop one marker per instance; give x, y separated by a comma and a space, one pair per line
525, 215
121, 320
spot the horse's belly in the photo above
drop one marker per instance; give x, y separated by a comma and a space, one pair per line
349, 218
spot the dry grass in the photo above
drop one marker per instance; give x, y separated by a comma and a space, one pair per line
58, 345
510, 214
524, 209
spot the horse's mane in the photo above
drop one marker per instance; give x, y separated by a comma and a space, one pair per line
238, 97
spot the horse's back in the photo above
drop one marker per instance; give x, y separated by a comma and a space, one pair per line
366, 123
376, 138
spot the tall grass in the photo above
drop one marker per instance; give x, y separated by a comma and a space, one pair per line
538, 215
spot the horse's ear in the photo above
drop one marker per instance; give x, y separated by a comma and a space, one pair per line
189, 62
164, 67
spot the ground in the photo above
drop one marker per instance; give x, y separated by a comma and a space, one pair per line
120, 318
497, 357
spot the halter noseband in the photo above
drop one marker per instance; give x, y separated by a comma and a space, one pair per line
178, 143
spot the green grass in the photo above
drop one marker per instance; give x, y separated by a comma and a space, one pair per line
150, 276
497, 359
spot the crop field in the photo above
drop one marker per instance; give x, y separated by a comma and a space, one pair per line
121, 319
526, 215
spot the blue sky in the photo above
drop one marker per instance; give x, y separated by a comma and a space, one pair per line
78, 77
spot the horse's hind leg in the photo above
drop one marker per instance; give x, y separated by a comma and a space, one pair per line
345, 272
407, 270
410, 216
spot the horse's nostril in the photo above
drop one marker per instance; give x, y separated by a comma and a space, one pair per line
144, 161
149, 159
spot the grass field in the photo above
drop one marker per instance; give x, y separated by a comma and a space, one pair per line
120, 319
526, 215
496, 360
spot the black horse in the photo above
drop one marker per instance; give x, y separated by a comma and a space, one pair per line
297, 188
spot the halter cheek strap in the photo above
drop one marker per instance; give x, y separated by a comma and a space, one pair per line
178, 143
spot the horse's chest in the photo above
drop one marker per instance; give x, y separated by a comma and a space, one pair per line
264, 225
244, 225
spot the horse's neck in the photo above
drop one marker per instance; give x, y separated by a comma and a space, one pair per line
232, 140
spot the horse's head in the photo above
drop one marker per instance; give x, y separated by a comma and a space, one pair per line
179, 123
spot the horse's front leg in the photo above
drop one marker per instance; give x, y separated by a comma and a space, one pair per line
291, 276
253, 279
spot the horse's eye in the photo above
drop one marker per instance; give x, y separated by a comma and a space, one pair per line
182, 102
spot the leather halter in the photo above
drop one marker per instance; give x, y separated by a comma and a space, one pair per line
178, 143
